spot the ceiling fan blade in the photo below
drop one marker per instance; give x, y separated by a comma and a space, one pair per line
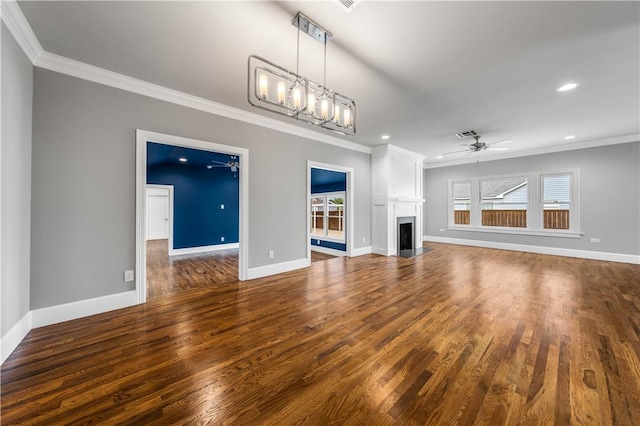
220, 163
496, 148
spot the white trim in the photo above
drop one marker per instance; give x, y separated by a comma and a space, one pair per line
327, 250
82, 308
277, 268
554, 251
12, 339
144, 136
382, 251
361, 251
21, 30
203, 249
538, 151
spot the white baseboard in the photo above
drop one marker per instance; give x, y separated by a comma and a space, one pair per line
278, 268
554, 251
203, 249
12, 339
327, 250
361, 251
82, 308
382, 251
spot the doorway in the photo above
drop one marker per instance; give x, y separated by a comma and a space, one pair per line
159, 211
240, 172
330, 226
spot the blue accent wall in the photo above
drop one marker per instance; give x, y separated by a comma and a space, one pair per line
198, 193
325, 181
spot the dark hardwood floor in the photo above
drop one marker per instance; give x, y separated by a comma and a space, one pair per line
178, 273
316, 256
458, 335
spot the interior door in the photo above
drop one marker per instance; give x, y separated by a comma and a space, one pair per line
157, 215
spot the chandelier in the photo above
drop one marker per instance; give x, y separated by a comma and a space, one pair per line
274, 88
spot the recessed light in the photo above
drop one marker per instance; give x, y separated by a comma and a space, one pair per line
385, 137
566, 87
182, 160
439, 157
569, 137
209, 166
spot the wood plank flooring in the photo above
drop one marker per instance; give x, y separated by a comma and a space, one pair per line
178, 273
458, 335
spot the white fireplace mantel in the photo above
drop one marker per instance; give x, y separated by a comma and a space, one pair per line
396, 180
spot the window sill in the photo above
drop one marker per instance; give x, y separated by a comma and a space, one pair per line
518, 231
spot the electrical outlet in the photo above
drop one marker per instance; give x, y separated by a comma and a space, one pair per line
441, 229
128, 276
221, 206
221, 238
364, 239
595, 240
271, 254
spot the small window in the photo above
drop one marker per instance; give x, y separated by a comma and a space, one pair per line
556, 201
461, 203
504, 202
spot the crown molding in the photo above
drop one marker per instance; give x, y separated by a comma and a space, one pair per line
537, 151
21, 30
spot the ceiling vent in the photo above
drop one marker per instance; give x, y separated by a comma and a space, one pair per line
466, 134
348, 5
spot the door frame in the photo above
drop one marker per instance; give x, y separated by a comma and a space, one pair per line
349, 203
169, 189
145, 136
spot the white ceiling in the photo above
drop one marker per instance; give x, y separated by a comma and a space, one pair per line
419, 71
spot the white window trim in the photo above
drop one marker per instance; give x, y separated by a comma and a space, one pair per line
534, 206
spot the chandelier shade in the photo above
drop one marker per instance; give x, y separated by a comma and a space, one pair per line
277, 89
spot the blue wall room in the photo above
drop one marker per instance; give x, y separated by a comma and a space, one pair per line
327, 186
206, 193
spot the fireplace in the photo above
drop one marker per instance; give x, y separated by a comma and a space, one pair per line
406, 236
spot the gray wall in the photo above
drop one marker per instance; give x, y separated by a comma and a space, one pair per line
609, 197
83, 215
17, 96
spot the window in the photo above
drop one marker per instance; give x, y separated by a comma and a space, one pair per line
535, 203
556, 201
327, 216
461, 203
317, 216
504, 202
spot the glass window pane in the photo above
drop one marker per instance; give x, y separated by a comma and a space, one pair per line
556, 201
317, 216
335, 211
504, 202
461, 203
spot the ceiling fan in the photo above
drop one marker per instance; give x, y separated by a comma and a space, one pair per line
478, 146
232, 164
